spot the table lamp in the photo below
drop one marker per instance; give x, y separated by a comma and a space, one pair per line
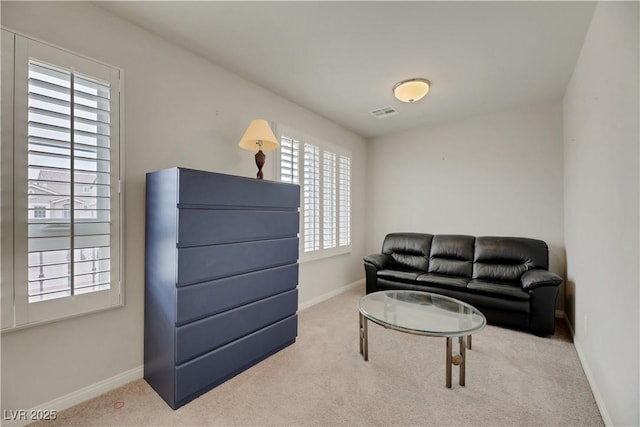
259, 136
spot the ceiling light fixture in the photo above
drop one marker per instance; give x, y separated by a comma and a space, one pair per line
411, 90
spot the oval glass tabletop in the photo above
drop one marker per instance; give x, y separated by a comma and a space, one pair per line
422, 313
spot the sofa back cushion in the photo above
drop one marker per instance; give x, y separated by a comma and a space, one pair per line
410, 251
451, 255
507, 258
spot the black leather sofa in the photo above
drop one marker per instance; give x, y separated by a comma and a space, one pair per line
506, 278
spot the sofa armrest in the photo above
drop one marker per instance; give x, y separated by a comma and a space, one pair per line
380, 261
536, 278
373, 263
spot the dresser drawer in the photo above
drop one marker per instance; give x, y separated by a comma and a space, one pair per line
196, 338
208, 298
213, 226
201, 263
211, 369
206, 188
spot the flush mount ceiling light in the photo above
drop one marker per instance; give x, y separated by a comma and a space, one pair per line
411, 90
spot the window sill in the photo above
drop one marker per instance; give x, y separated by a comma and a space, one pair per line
323, 254
15, 328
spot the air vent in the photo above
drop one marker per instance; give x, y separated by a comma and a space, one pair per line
383, 112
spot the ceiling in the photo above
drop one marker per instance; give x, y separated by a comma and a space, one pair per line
341, 59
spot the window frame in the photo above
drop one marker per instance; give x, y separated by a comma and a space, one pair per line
17, 312
302, 139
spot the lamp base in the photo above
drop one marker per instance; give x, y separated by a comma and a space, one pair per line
260, 156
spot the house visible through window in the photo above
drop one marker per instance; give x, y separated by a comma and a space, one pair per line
39, 211
324, 176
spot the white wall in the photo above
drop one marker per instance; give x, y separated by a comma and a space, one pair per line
179, 110
601, 141
496, 174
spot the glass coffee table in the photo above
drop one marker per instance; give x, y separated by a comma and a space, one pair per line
423, 313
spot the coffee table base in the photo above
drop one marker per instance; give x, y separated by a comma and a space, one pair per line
457, 359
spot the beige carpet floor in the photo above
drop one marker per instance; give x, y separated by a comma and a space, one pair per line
513, 378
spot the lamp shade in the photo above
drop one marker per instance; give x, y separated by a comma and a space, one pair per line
259, 136
411, 90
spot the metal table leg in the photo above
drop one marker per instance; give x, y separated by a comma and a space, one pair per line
364, 341
448, 362
457, 359
463, 351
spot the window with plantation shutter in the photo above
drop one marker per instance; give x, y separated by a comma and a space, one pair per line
324, 176
69, 246
65, 183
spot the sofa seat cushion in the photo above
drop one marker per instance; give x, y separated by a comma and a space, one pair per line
440, 280
404, 276
504, 290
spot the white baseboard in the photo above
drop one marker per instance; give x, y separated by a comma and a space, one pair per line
569, 325
331, 294
592, 383
80, 396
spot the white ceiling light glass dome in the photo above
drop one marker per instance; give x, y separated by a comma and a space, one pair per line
411, 90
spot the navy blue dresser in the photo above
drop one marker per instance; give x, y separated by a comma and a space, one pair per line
221, 278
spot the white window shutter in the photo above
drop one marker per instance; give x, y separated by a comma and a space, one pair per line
344, 200
289, 160
329, 213
311, 198
68, 151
